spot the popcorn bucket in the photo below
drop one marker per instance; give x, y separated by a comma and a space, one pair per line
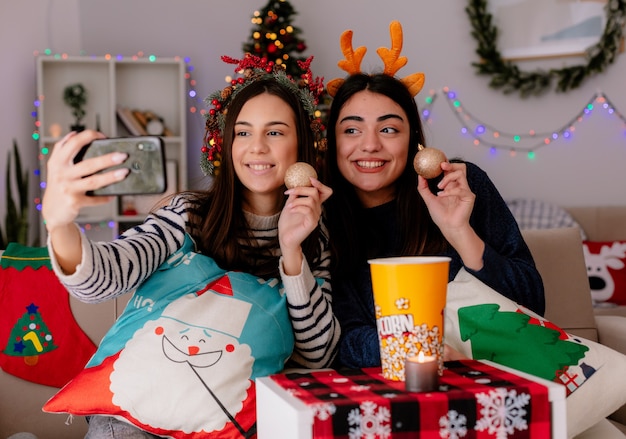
409, 297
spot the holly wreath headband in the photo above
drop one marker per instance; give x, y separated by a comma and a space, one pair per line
253, 68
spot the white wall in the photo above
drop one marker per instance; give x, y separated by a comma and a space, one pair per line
588, 169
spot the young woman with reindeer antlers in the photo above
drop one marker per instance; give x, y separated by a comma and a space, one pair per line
380, 207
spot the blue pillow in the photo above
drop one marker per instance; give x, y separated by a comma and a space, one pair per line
182, 359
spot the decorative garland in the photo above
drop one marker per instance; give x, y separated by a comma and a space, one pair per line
486, 135
507, 76
481, 134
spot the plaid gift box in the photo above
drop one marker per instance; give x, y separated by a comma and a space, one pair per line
474, 400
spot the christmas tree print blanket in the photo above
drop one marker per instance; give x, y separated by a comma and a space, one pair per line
483, 324
40, 340
182, 359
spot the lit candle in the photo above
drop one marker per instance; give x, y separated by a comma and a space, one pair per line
421, 373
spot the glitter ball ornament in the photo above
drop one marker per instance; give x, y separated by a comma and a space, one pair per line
299, 174
427, 161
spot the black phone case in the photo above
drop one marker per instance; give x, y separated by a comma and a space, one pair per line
146, 161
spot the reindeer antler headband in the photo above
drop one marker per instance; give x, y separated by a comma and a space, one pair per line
391, 58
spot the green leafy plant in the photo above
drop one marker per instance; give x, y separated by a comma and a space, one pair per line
16, 219
75, 97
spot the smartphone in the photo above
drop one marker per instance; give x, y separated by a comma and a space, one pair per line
146, 161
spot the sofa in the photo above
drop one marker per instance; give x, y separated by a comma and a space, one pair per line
559, 258
21, 401
606, 223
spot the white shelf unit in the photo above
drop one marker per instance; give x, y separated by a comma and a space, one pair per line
158, 86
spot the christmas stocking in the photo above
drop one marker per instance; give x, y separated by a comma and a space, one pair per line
39, 339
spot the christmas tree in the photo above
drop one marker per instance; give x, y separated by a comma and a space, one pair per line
485, 324
275, 38
30, 337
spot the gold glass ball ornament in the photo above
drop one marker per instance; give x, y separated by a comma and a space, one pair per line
299, 174
427, 161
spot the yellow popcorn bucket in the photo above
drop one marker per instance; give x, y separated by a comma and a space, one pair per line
409, 298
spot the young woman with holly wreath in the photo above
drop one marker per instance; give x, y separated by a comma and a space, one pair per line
246, 221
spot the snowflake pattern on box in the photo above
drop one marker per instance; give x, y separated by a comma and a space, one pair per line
473, 400
502, 412
453, 425
324, 411
370, 421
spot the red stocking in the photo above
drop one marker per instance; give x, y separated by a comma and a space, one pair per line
39, 339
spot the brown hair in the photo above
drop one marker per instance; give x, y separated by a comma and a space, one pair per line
419, 234
218, 222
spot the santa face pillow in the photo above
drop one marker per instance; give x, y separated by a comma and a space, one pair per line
606, 268
182, 359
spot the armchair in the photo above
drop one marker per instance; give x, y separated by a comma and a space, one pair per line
559, 258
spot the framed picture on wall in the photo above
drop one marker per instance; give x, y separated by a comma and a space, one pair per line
143, 204
532, 29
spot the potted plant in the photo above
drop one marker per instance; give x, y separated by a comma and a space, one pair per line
75, 97
16, 219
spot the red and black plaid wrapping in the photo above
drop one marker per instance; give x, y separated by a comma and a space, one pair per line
474, 400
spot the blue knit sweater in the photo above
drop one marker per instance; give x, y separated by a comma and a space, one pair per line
508, 268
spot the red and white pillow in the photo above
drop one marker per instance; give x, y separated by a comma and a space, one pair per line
606, 268
182, 359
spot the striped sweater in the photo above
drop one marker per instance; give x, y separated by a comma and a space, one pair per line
110, 269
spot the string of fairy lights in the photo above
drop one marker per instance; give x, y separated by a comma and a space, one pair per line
486, 135
195, 108
478, 132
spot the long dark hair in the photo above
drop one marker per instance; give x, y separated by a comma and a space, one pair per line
218, 223
419, 234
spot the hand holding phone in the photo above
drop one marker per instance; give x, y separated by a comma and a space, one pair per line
146, 162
